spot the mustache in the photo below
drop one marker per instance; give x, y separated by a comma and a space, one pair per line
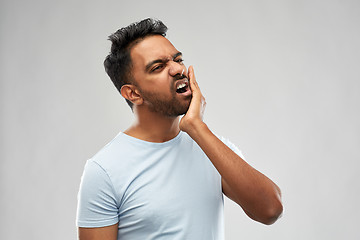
179, 77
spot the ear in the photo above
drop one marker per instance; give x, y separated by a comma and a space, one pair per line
131, 93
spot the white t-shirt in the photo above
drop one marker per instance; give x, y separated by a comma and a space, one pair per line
167, 190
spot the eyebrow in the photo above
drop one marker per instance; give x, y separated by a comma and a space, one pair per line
163, 60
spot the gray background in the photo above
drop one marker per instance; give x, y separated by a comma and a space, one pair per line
281, 79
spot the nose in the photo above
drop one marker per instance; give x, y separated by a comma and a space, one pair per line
176, 68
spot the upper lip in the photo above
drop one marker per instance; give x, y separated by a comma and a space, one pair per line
181, 81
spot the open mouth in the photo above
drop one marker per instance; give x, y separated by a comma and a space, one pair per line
182, 87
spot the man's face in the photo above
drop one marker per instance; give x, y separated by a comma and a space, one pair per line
160, 76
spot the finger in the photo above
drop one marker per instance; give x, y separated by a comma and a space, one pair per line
192, 79
191, 73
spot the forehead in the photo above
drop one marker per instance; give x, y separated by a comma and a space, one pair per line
151, 48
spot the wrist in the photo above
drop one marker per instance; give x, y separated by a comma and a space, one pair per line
196, 128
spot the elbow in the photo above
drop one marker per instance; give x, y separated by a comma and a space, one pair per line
273, 213
269, 215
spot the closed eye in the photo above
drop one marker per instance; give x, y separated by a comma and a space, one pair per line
180, 60
156, 68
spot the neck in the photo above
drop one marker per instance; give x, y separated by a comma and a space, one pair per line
153, 127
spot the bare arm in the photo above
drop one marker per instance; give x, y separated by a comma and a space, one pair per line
102, 233
259, 197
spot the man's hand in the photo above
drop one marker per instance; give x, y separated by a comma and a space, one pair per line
194, 115
254, 192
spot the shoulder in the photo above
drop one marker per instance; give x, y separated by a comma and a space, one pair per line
113, 151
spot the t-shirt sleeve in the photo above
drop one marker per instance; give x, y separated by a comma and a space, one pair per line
97, 206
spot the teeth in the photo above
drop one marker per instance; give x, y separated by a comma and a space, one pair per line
181, 86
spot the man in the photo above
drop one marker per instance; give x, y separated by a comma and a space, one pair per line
164, 177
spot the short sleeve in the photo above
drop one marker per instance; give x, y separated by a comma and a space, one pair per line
97, 205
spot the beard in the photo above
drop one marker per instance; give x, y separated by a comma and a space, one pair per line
172, 107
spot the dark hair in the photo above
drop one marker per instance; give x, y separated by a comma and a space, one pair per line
118, 62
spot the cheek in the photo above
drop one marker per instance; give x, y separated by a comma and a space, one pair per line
160, 83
